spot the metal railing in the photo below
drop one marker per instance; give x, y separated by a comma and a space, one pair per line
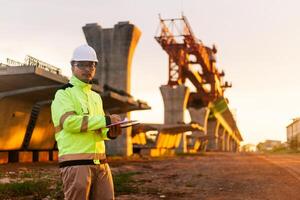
3, 65
11, 62
31, 61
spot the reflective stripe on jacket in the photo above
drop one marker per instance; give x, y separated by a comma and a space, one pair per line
79, 120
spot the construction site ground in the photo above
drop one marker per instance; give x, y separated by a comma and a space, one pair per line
212, 176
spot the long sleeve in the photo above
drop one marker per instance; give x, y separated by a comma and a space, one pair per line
64, 114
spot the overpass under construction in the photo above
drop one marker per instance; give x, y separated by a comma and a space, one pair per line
190, 59
27, 89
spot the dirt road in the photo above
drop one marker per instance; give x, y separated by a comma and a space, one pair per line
216, 176
213, 176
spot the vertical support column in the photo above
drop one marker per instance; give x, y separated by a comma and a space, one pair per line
115, 48
235, 146
199, 116
234, 149
175, 101
227, 142
224, 142
221, 138
212, 132
230, 144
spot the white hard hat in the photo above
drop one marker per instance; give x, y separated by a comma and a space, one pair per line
84, 53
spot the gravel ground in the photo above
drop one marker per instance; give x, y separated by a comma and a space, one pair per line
212, 176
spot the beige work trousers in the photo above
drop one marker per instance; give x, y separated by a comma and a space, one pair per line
87, 182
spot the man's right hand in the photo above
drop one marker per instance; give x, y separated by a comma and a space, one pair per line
114, 118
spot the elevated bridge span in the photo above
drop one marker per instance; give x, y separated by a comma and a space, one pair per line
26, 93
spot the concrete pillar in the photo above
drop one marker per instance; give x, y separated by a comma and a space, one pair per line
212, 132
199, 116
238, 147
224, 140
115, 48
235, 146
230, 144
182, 148
227, 141
175, 101
221, 138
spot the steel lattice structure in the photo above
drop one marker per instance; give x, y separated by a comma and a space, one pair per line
190, 59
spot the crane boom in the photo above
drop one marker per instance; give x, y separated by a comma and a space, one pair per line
178, 40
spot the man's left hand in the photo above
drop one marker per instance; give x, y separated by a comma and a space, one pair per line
115, 131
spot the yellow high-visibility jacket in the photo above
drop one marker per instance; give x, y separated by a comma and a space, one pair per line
79, 120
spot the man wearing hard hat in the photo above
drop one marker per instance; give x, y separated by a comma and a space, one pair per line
80, 126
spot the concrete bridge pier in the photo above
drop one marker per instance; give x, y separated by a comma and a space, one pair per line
227, 141
231, 144
221, 138
235, 146
115, 48
200, 116
175, 101
212, 132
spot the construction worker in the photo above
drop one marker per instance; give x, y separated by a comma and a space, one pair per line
80, 126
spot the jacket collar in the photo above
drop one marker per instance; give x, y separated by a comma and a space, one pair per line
78, 83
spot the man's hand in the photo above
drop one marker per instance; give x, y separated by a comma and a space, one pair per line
115, 118
114, 131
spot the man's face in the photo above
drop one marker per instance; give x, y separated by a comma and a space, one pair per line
84, 70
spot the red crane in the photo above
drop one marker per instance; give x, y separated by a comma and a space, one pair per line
190, 59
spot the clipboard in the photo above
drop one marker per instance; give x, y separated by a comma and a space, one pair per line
124, 124
135, 122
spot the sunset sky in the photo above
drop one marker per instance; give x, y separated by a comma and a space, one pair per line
258, 45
